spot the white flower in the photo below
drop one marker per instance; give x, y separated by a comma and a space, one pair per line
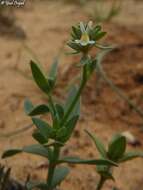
85, 39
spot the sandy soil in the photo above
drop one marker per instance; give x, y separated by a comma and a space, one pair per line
46, 25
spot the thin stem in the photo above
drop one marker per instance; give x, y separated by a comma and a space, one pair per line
83, 82
101, 183
52, 166
53, 111
119, 92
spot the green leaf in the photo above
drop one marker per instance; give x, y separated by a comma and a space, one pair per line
39, 77
104, 47
53, 74
99, 35
33, 149
105, 171
12, 152
40, 138
44, 128
117, 147
97, 28
71, 96
40, 185
131, 155
76, 32
99, 145
59, 175
38, 150
74, 46
60, 111
74, 160
64, 133
61, 134
28, 106
70, 125
53, 70
37, 110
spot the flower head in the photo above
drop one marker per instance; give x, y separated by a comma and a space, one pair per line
85, 36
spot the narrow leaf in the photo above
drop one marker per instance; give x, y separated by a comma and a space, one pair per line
28, 106
100, 35
59, 175
131, 155
71, 96
53, 70
70, 125
117, 147
74, 46
11, 152
37, 110
39, 77
73, 160
60, 111
40, 185
40, 138
38, 150
99, 145
44, 128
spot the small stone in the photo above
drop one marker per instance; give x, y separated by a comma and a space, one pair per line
131, 139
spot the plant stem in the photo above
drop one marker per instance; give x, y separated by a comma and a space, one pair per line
101, 183
52, 166
51, 103
83, 82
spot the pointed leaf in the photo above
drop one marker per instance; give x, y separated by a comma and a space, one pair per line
40, 138
74, 46
99, 145
60, 111
76, 32
28, 106
61, 134
38, 150
71, 96
70, 125
33, 149
99, 35
37, 110
59, 175
53, 71
44, 128
131, 155
74, 160
39, 77
117, 147
104, 47
11, 152
31, 185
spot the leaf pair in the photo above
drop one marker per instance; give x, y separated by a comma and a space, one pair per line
46, 84
31, 110
36, 149
116, 149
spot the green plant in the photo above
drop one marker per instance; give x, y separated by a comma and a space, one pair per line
51, 137
116, 152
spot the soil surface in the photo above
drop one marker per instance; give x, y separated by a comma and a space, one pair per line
46, 25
